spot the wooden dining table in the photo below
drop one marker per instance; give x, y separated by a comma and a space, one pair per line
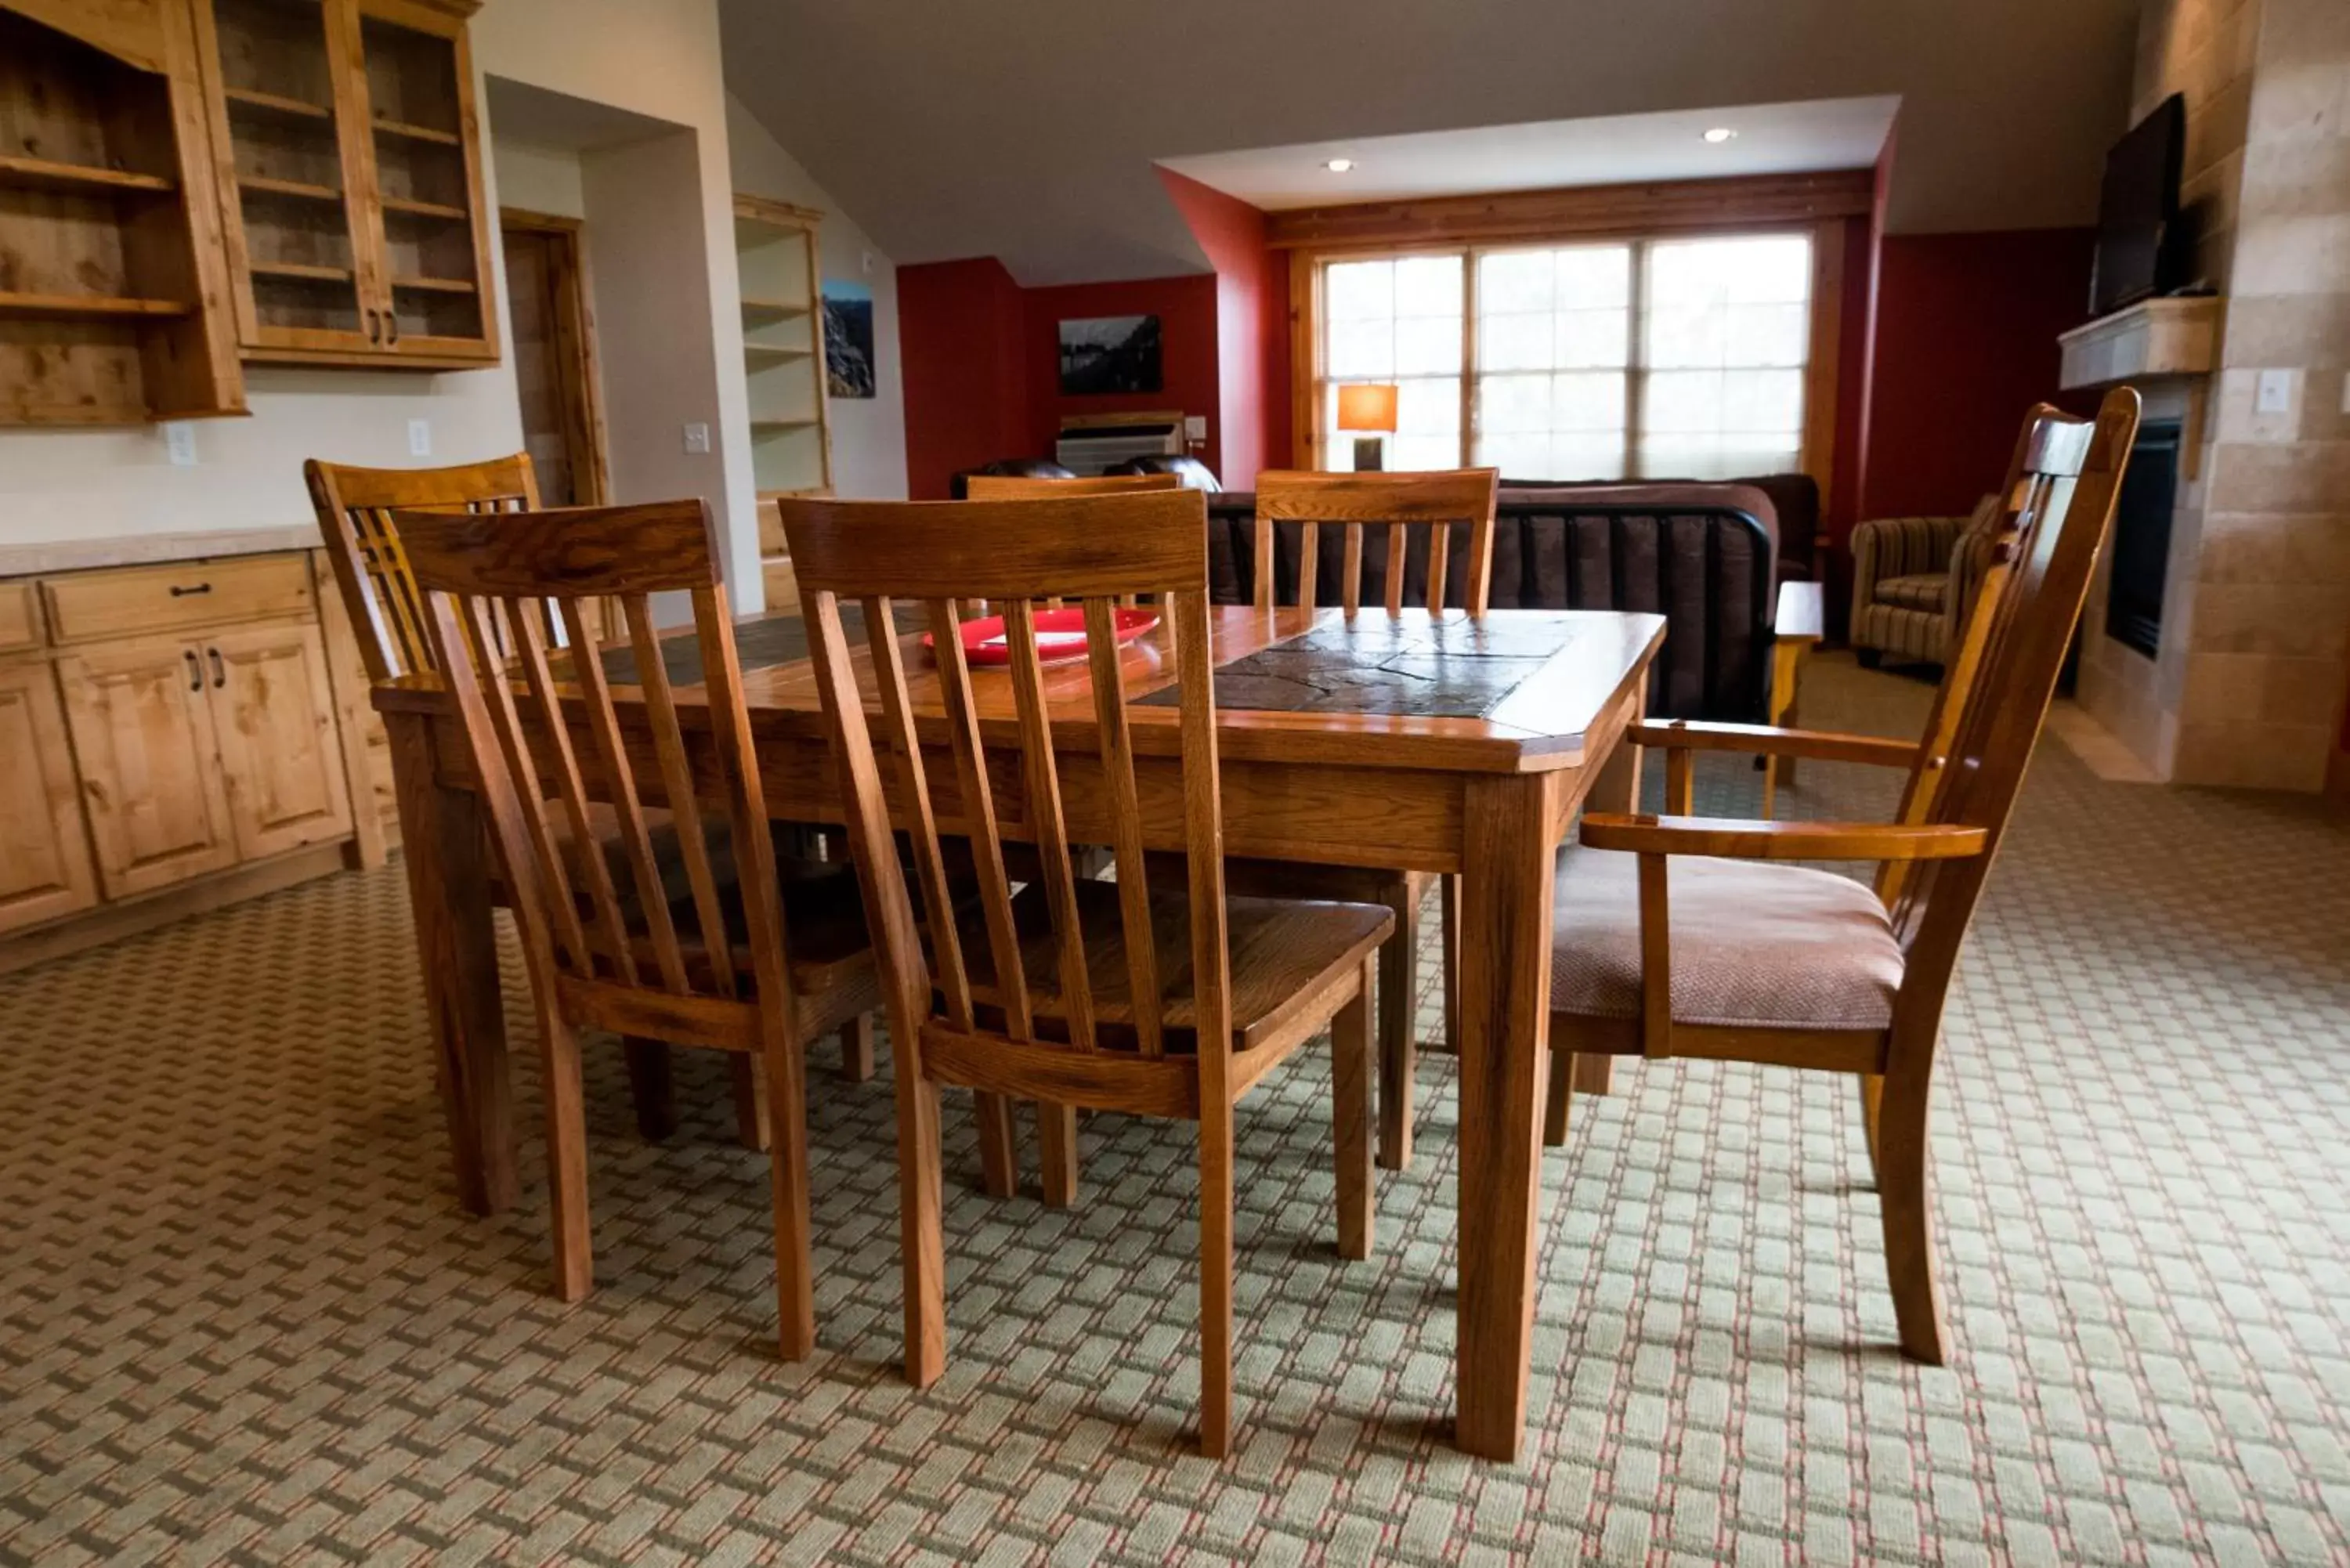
1419, 743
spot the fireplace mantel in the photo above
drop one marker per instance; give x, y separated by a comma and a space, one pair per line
2153, 338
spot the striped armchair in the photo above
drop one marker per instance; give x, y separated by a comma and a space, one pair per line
1914, 579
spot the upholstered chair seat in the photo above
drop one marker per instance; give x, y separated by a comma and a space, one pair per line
1920, 591
1755, 943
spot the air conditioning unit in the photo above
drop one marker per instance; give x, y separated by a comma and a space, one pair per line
1096, 443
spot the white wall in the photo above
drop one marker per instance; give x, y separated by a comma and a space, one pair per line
538, 178
868, 435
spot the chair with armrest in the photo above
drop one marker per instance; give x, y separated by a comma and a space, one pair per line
1024, 487
356, 507
1126, 996
757, 957
1679, 936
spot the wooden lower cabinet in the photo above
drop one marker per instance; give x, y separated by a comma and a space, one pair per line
44, 865
274, 717
141, 718
173, 738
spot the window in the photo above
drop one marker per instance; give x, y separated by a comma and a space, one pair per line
1683, 357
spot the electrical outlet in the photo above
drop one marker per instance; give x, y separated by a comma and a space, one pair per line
419, 438
697, 440
180, 440
2274, 395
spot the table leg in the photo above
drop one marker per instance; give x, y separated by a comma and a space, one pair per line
442, 834
1616, 788
1508, 856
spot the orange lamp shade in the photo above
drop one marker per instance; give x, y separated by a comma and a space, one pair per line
1366, 407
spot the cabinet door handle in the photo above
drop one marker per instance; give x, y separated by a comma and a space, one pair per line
375, 326
180, 591
195, 670
392, 325
220, 669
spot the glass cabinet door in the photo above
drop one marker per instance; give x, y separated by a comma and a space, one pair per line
303, 271
427, 161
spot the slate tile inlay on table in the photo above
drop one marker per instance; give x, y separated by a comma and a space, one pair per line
1451, 668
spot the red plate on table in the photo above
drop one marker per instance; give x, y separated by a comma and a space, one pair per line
1060, 635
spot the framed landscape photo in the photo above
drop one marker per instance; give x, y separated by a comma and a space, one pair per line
1109, 354
849, 339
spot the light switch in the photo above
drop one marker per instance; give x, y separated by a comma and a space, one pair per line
419, 438
180, 440
2275, 393
2346, 391
697, 440
1195, 427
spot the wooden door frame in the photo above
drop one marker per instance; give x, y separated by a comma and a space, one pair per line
574, 319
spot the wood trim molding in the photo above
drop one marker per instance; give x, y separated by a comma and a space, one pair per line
784, 215
1646, 208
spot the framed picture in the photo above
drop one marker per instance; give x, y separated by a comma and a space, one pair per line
849, 339
1109, 354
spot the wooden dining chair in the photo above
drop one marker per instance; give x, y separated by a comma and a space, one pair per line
1011, 487
1123, 996
355, 508
755, 958
1681, 935
1390, 510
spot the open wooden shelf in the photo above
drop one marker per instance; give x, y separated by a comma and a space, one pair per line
424, 209
774, 309
305, 272
780, 425
418, 134
277, 104
40, 174
292, 190
436, 284
93, 305
767, 351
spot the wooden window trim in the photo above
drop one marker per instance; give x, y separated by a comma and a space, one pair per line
1823, 205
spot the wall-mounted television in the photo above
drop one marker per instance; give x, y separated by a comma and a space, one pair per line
2143, 248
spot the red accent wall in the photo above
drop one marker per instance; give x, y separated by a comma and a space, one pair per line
1186, 308
1252, 311
962, 349
1966, 341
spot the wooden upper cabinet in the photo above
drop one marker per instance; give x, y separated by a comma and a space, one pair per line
44, 865
274, 716
350, 175
114, 286
151, 776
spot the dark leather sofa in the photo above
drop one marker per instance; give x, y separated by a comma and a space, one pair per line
1703, 555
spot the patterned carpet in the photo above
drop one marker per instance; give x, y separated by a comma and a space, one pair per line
243, 1320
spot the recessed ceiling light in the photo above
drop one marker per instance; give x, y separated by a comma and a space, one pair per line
1719, 134
1339, 165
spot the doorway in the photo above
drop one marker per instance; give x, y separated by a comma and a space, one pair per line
554, 334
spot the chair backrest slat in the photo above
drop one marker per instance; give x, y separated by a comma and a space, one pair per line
979, 818
677, 785
355, 508
1090, 550
494, 589
1435, 501
1126, 819
1049, 828
2073, 471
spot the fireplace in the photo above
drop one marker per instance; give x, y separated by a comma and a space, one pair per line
2142, 538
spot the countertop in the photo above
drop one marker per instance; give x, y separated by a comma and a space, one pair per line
148, 549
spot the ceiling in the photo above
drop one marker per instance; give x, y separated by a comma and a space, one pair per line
1028, 129
1771, 138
